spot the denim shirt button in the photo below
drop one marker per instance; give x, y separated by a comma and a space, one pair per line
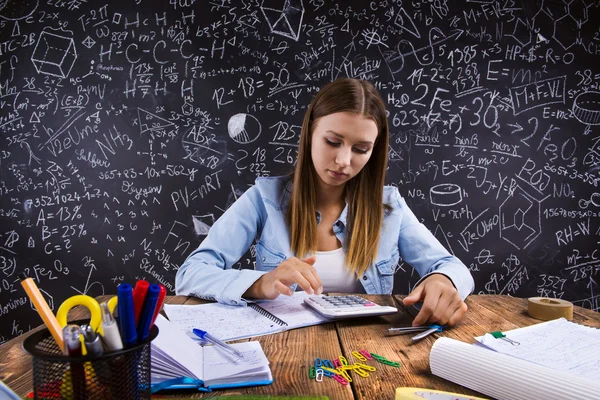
365, 278
264, 259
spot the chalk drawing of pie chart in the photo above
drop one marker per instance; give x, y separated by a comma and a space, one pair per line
445, 194
243, 128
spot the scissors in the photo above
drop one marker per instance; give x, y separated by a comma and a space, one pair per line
425, 330
92, 305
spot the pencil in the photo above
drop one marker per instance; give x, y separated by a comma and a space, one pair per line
42, 308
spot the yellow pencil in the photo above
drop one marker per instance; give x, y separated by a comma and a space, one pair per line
42, 308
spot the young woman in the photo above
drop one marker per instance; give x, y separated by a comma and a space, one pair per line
332, 226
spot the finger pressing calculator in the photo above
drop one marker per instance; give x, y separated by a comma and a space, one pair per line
346, 306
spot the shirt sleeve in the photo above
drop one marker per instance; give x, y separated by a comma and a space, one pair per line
420, 248
207, 272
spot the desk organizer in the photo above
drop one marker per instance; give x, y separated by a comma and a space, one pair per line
123, 374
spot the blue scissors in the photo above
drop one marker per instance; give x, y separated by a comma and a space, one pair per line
425, 330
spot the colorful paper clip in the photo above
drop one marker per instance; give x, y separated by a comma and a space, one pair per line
340, 379
343, 360
365, 367
327, 363
345, 374
318, 363
329, 370
311, 372
337, 363
359, 356
361, 372
391, 363
319, 375
366, 354
500, 335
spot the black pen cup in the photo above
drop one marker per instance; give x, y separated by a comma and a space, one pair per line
117, 375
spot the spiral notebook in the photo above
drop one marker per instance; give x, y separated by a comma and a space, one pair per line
233, 322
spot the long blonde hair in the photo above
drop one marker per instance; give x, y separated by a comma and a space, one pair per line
364, 192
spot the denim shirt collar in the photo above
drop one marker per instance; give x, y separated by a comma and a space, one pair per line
341, 219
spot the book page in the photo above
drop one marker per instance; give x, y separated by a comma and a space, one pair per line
222, 321
293, 311
174, 347
218, 364
559, 344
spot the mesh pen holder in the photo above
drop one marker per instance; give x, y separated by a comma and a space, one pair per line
123, 374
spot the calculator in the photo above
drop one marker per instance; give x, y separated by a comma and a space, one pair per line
346, 306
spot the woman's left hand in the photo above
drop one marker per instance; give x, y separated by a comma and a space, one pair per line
441, 302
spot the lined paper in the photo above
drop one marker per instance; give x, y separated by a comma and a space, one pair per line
558, 344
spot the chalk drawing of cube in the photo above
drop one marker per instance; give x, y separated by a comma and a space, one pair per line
54, 54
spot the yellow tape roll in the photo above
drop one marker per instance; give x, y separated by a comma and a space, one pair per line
546, 309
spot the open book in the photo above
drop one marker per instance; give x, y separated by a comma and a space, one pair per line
553, 360
179, 362
262, 317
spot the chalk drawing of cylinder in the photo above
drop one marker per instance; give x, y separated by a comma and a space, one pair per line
243, 128
54, 54
586, 108
445, 195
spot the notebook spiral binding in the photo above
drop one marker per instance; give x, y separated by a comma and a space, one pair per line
267, 314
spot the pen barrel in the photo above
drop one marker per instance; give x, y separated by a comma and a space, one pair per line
127, 326
147, 314
94, 348
111, 337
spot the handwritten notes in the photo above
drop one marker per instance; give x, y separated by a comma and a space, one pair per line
559, 344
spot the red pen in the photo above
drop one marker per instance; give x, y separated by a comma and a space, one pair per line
139, 296
159, 303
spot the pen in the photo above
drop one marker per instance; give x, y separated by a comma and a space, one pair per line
127, 325
160, 302
92, 341
139, 296
71, 336
148, 312
111, 337
207, 337
42, 308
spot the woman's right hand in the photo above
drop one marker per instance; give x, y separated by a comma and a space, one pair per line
278, 281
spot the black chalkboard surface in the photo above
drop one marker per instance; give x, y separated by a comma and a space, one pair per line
128, 128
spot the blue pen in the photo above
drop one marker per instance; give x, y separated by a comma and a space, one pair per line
126, 315
147, 314
207, 337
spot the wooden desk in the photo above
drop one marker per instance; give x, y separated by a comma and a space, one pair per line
292, 353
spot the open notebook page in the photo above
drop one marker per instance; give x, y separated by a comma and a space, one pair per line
222, 321
293, 311
558, 344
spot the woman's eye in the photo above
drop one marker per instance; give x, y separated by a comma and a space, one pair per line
334, 144
361, 151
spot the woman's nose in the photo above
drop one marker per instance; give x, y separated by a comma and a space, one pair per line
343, 157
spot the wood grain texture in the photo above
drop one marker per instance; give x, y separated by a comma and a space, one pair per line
292, 353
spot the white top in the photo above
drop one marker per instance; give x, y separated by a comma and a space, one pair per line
330, 266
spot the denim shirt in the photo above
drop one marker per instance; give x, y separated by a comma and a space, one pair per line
259, 214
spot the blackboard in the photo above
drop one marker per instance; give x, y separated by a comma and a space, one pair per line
128, 128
